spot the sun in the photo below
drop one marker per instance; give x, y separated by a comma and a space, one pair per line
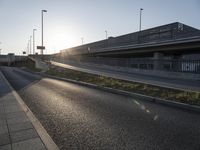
59, 38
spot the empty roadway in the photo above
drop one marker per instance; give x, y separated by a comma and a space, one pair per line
78, 117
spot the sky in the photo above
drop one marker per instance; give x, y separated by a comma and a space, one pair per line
67, 21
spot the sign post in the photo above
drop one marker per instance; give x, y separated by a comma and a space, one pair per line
41, 48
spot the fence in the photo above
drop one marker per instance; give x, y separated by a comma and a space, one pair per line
173, 65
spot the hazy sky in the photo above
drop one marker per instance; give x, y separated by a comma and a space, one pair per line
68, 20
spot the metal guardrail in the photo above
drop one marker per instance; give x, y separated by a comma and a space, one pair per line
171, 65
11, 59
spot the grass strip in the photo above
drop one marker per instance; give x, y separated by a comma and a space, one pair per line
187, 97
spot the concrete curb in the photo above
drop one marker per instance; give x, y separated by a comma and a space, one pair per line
46, 139
171, 103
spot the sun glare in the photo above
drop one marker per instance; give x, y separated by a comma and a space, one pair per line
61, 38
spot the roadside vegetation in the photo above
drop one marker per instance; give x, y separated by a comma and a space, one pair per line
141, 88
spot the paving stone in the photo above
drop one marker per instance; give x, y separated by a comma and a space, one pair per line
12, 105
15, 115
2, 121
4, 139
3, 129
20, 126
5, 147
7, 97
2, 116
15, 126
17, 120
12, 108
1, 100
10, 102
23, 135
32, 144
2, 109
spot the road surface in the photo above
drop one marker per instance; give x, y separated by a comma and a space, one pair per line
78, 117
182, 84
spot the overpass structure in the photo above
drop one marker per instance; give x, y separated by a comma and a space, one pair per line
11, 59
173, 47
171, 39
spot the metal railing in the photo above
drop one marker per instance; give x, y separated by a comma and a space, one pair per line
171, 65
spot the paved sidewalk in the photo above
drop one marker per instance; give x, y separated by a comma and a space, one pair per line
16, 130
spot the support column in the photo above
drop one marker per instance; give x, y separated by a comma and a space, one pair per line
177, 64
158, 61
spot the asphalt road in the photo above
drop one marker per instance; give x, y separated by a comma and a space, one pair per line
176, 83
78, 117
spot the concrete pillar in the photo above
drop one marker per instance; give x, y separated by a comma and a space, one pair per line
10, 58
177, 64
158, 61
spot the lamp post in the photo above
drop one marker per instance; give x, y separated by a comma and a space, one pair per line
34, 41
106, 34
141, 9
0, 49
42, 29
27, 50
30, 44
82, 40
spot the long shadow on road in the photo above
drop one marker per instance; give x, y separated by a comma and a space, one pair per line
78, 117
18, 78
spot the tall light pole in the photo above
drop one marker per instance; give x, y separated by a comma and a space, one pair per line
34, 41
106, 34
27, 50
82, 40
141, 9
42, 30
30, 44
0, 49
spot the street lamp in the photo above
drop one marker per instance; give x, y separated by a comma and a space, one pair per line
34, 41
27, 50
82, 40
30, 44
106, 34
0, 49
141, 9
42, 30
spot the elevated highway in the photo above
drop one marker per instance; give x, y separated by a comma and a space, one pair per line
11, 59
171, 39
179, 46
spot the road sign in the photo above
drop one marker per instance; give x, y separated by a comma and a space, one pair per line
41, 47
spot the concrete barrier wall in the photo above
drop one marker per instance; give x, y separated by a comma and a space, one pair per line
158, 73
6, 59
39, 63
